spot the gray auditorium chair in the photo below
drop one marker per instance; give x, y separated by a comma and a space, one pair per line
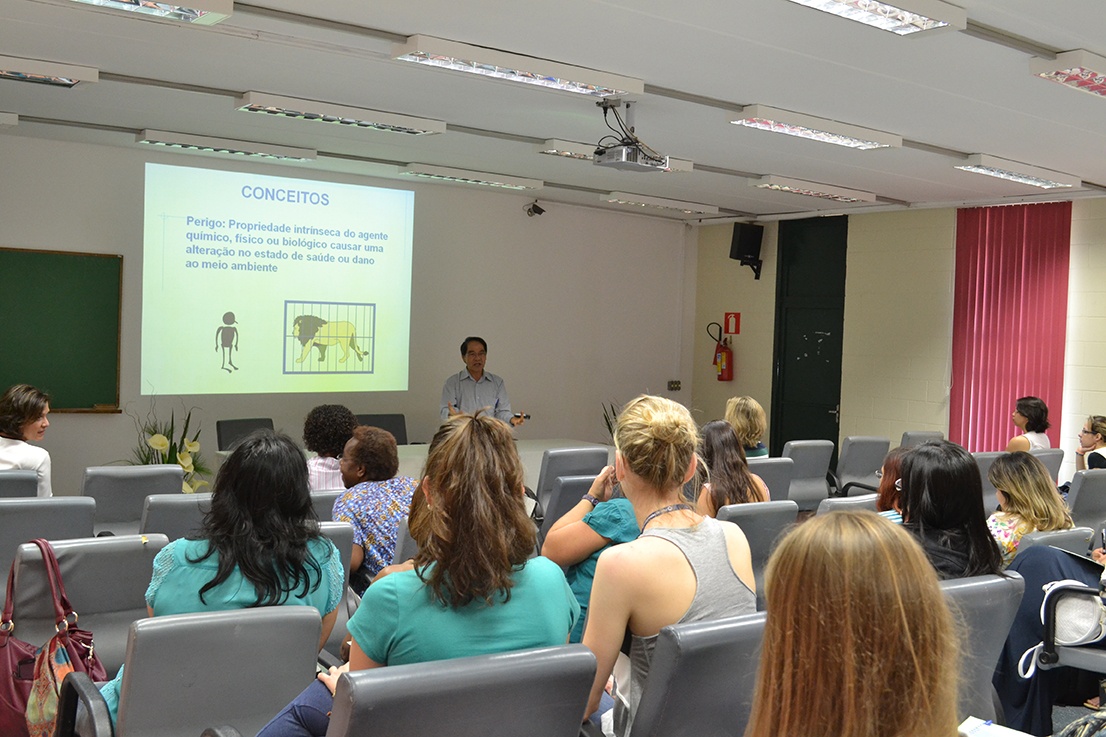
323, 501
341, 534
56, 518
1075, 540
985, 460
701, 679
1053, 458
120, 492
776, 473
175, 515
1087, 498
987, 605
566, 494
394, 423
538, 693
812, 459
185, 672
106, 580
860, 459
568, 462
914, 438
406, 547
839, 503
18, 483
763, 524
229, 432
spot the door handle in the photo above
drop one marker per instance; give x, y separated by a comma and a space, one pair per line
836, 412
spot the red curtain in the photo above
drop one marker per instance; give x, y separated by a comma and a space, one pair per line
1009, 319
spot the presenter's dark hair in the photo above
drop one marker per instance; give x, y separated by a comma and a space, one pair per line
476, 531
465, 344
21, 403
1035, 412
942, 495
730, 479
261, 520
327, 428
376, 452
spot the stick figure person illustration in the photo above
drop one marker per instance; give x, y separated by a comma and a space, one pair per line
226, 336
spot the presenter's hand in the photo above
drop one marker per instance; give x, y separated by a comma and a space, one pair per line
518, 419
453, 411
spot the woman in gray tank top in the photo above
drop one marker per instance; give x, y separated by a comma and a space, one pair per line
683, 568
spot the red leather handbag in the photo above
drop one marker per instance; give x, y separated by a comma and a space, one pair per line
17, 658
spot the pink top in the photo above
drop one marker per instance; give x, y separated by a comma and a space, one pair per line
323, 474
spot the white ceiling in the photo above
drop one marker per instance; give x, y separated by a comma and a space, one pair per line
949, 94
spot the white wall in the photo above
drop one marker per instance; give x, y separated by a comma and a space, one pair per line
579, 306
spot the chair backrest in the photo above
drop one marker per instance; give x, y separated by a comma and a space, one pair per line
1087, 498
861, 458
395, 424
776, 473
701, 678
120, 492
838, 503
323, 501
990, 496
912, 438
1053, 458
18, 483
175, 515
987, 605
105, 579
341, 534
538, 693
812, 460
406, 547
1075, 540
566, 493
568, 462
229, 432
186, 672
56, 518
763, 523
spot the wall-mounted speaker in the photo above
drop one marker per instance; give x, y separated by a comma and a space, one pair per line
745, 245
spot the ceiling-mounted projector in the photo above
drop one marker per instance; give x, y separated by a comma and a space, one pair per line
629, 158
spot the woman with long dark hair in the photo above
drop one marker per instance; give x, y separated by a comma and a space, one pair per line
473, 590
259, 545
23, 411
729, 480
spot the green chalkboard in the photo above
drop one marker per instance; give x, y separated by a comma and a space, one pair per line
61, 315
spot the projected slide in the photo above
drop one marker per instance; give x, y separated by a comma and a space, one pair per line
258, 284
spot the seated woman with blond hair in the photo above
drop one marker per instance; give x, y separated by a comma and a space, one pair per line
750, 423
1027, 501
890, 636
684, 567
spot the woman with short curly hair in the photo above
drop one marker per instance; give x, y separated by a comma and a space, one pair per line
325, 432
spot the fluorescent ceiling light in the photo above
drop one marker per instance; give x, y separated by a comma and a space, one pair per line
200, 12
767, 118
908, 16
464, 176
324, 112
46, 72
185, 142
567, 149
531, 70
658, 203
1079, 69
7, 120
812, 189
1013, 171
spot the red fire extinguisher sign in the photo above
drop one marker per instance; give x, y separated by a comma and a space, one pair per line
731, 325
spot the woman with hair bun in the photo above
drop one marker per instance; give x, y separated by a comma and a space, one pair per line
1031, 417
23, 411
683, 568
1091, 452
890, 634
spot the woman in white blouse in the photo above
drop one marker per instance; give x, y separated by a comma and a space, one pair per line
23, 411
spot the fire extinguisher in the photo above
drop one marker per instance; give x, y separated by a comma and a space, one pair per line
723, 353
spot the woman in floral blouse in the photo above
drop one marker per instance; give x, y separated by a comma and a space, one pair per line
1028, 502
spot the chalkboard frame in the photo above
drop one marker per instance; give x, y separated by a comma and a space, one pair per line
41, 283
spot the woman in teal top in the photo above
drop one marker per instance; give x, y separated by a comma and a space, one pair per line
259, 545
471, 590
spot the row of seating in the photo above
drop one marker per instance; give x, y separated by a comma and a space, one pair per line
228, 677
229, 432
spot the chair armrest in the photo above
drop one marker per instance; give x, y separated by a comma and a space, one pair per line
857, 485
587, 729
221, 731
1048, 658
329, 660
78, 688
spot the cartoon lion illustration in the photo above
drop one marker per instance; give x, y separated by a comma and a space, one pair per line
317, 332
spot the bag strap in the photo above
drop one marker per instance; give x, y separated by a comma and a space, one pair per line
6, 624
62, 608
